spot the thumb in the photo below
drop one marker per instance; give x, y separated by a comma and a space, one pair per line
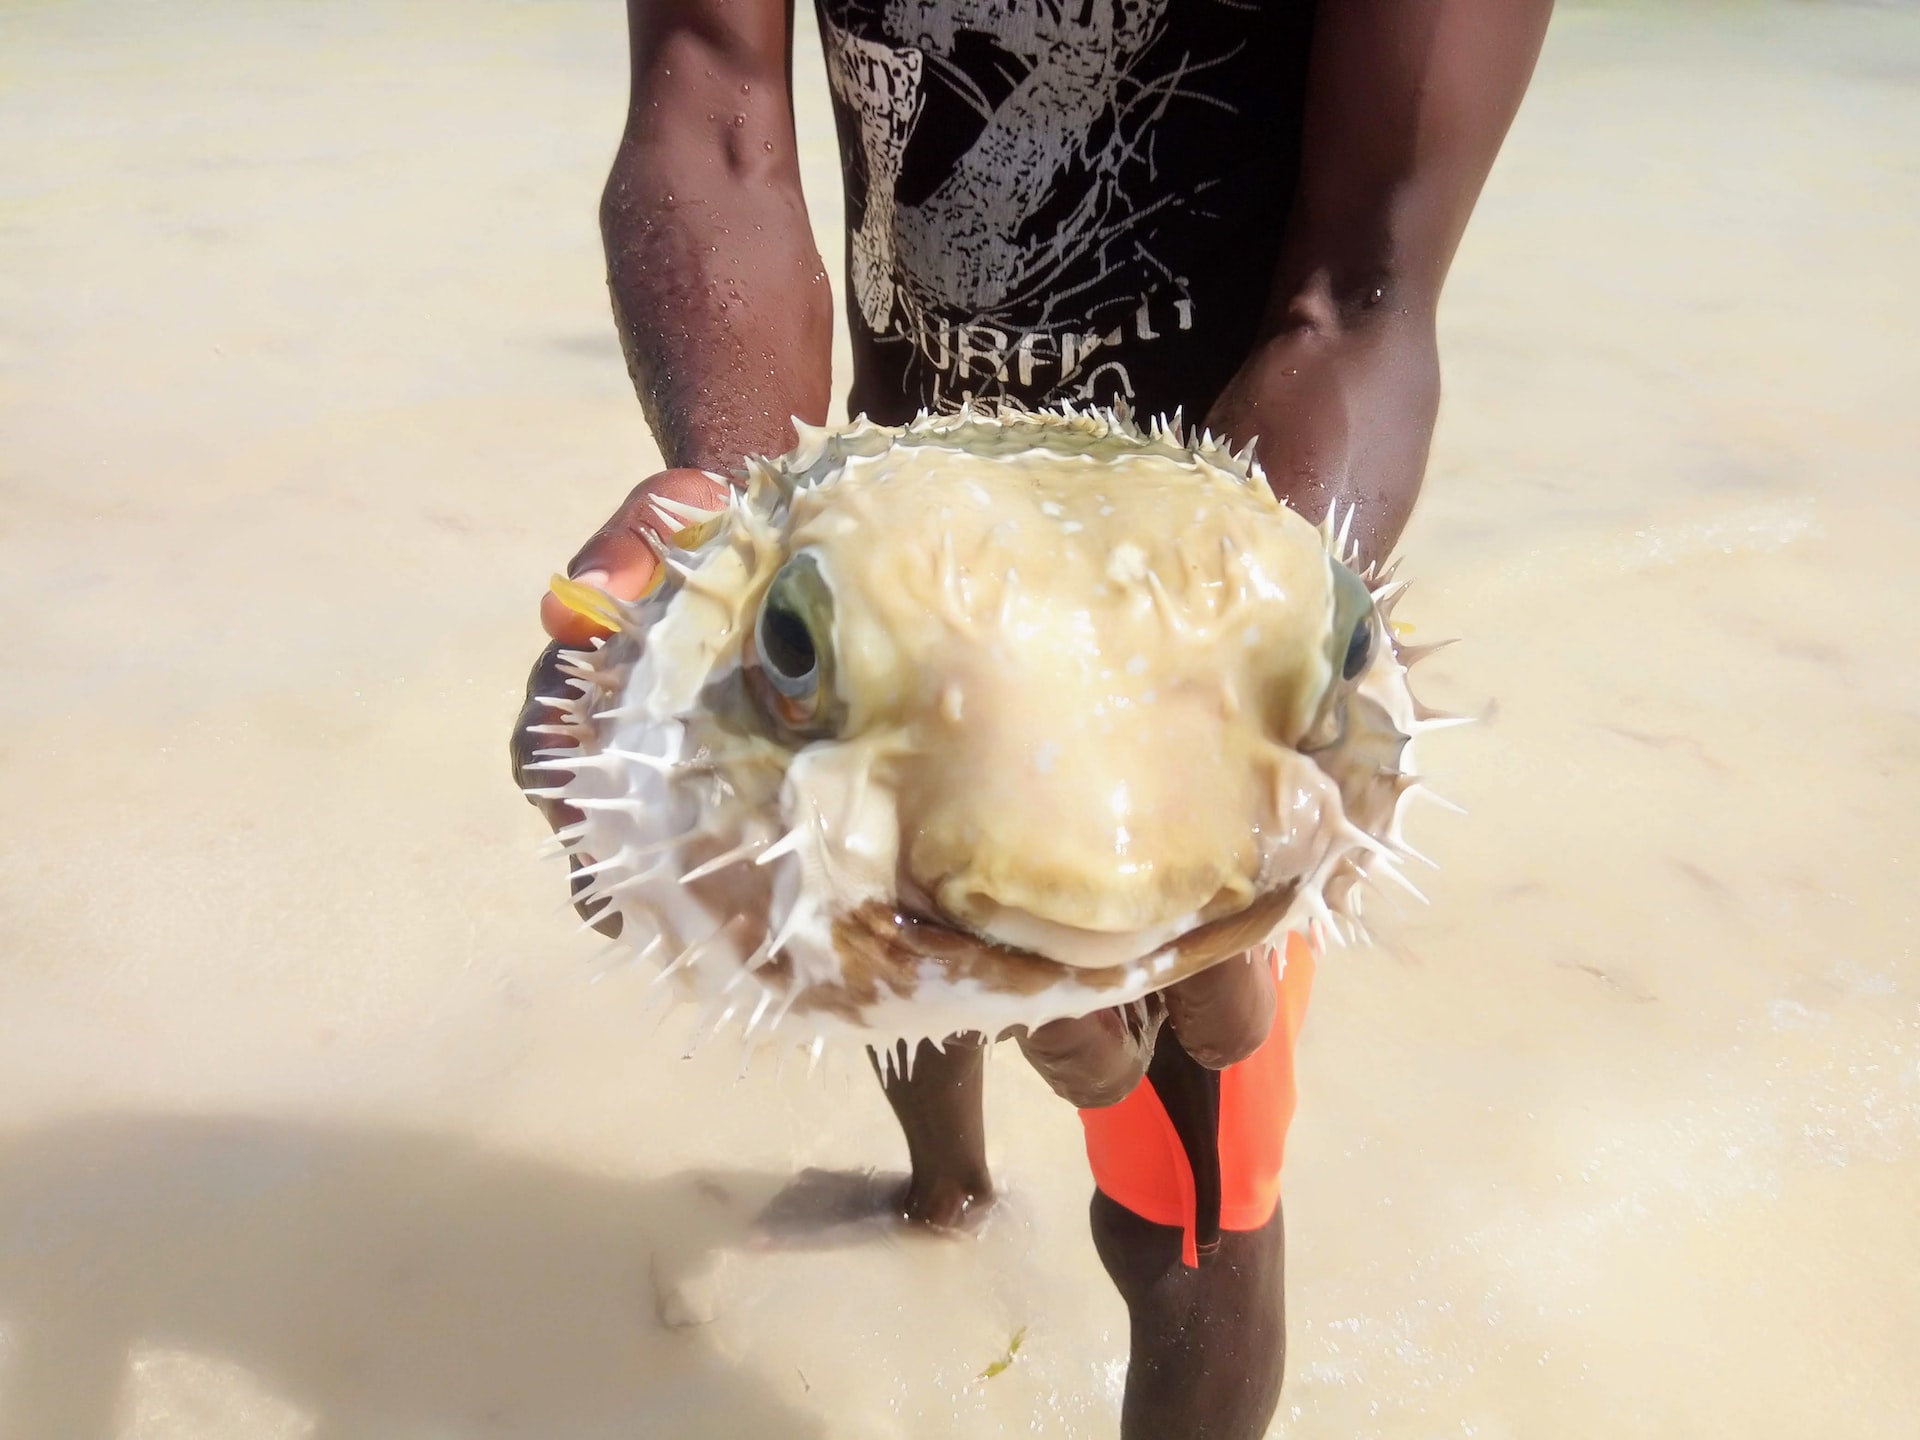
620, 557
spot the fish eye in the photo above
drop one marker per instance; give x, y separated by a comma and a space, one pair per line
792, 662
785, 647
1359, 649
1351, 641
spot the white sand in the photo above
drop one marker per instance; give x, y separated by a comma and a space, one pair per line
317, 1123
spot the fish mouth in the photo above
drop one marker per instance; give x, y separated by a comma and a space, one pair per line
1100, 932
1010, 931
998, 961
1073, 946
888, 952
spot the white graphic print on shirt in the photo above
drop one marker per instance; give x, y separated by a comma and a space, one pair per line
979, 274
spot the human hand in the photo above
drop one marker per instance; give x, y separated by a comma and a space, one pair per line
1343, 415
621, 560
1221, 1016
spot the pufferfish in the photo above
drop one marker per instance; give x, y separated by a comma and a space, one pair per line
980, 722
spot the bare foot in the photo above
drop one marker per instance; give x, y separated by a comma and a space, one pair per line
944, 1203
824, 1209
937, 1101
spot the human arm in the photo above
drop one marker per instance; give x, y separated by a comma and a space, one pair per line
1407, 105
723, 309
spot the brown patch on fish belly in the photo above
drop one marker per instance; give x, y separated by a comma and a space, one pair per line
881, 946
875, 956
1232, 934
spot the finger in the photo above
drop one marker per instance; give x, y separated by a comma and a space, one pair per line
1223, 1014
1094, 1061
619, 558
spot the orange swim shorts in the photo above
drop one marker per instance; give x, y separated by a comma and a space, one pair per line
1199, 1150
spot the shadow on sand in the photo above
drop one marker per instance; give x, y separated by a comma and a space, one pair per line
391, 1283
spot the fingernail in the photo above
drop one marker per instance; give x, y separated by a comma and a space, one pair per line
594, 577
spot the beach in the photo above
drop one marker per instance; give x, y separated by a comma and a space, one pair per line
318, 1118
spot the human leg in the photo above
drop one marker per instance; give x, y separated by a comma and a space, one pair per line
939, 1101
1187, 1223
1208, 1343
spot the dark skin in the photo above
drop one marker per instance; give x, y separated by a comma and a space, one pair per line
725, 315
1208, 1347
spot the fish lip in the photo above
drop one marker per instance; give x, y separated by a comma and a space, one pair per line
1190, 951
910, 917
917, 913
914, 908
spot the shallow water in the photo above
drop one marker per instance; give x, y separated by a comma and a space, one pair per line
317, 1123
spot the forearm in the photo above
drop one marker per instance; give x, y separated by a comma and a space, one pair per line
723, 309
1406, 107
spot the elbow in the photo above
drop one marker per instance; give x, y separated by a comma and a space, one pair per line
1335, 302
706, 123
711, 98
1371, 268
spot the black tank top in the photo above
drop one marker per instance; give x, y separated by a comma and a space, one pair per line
1061, 199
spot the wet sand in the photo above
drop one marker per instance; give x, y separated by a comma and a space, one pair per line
316, 1121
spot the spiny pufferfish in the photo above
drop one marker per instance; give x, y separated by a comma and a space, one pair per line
988, 720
